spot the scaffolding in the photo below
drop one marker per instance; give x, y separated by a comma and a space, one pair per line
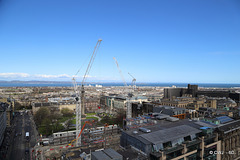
92, 136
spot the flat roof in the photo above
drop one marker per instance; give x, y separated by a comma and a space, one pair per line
100, 155
112, 153
107, 154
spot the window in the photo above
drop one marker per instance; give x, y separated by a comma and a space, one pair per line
188, 138
167, 144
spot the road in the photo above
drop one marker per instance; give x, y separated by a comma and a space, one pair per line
22, 145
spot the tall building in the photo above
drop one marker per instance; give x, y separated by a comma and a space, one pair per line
194, 92
3, 122
172, 139
179, 92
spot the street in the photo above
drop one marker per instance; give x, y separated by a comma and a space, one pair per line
22, 144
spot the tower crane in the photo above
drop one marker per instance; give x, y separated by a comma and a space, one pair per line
129, 107
80, 95
120, 72
87, 73
133, 81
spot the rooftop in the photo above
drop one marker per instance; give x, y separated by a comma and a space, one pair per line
168, 110
233, 125
170, 134
107, 154
224, 119
163, 130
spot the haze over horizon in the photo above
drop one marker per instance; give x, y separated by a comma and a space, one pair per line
159, 41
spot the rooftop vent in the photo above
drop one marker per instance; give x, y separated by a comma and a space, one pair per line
172, 119
145, 130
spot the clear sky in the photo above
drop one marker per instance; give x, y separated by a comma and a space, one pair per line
155, 40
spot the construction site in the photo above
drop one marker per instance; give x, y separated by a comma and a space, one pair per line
158, 132
88, 135
91, 138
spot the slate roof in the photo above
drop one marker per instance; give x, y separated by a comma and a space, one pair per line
230, 126
170, 134
112, 153
167, 110
107, 154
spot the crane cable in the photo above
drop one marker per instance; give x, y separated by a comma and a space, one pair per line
84, 62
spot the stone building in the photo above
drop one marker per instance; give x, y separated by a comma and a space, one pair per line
119, 102
175, 140
195, 92
229, 134
3, 122
53, 106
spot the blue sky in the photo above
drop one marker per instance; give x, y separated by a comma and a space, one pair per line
156, 41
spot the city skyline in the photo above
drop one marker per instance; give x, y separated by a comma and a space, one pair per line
182, 41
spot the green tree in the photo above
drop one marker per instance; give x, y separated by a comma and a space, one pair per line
107, 120
57, 127
18, 106
41, 114
46, 126
67, 112
119, 118
55, 116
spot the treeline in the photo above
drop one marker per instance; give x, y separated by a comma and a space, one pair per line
117, 119
48, 122
19, 106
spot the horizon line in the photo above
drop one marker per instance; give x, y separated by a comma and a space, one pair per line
58, 81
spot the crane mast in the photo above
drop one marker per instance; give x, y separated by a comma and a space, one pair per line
129, 107
80, 95
78, 110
